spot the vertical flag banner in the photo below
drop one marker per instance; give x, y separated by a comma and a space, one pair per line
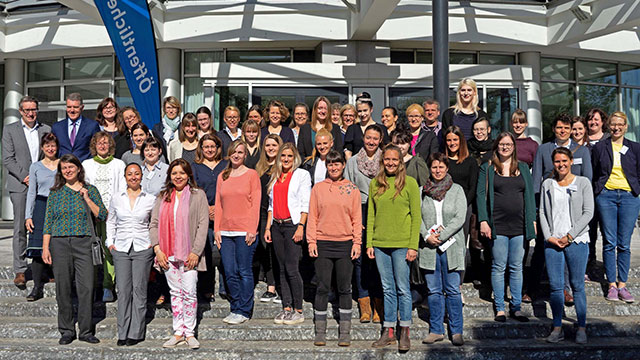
131, 31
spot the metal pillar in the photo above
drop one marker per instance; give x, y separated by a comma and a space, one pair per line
533, 101
169, 65
13, 91
441, 52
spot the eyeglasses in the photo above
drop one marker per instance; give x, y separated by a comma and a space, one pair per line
232, 117
479, 130
505, 146
414, 116
27, 111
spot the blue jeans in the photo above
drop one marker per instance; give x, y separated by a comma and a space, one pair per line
618, 214
449, 281
394, 274
575, 256
507, 251
237, 258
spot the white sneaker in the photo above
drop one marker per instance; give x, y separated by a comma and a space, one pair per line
229, 317
173, 342
237, 319
193, 343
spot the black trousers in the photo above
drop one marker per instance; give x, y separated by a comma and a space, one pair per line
324, 268
71, 260
289, 254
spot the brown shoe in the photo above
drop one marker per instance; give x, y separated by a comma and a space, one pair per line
433, 338
568, 298
378, 310
457, 340
20, 280
365, 309
526, 299
386, 338
404, 344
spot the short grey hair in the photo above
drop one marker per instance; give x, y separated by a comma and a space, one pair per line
28, 98
75, 97
431, 102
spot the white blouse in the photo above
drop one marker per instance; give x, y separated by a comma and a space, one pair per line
562, 213
128, 226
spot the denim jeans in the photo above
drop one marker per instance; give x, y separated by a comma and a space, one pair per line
394, 274
444, 289
237, 258
618, 214
575, 256
507, 251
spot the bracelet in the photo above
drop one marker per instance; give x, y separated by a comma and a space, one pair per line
569, 238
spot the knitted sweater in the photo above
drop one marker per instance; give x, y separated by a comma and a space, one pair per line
335, 212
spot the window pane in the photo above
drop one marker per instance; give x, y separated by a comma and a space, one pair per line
307, 56
89, 91
461, 58
501, 103
44, 70
192, 60
259, 56
556, 99
402, 57
88, 68
2, 75
424, 57
49, 117
597, 72
401, 98
630, 75
631, 107
43, 94
118, 69
497, 59
193, 94
557, 69
603, 97
122, 94
237, 96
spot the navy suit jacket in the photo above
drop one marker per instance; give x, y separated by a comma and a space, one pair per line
84, 134
602, 158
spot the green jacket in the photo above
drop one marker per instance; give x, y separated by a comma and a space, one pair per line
484, 198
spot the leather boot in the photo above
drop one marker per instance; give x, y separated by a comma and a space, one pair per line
365, 309
386, 338
404, 344
378, 310
344, 338
321, 330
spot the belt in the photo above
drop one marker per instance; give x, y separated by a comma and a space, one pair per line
283, 221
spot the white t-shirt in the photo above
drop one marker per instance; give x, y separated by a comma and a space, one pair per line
562, 213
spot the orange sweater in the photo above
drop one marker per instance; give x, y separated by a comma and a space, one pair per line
238, 203
335, 212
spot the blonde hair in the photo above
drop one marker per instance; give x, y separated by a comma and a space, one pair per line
314, 116
381, 178
263, 167
320, 133
457, 108
618, 114
173, 101
277, 169
416, 107
232, 148
251, 125
519, 116
231, 108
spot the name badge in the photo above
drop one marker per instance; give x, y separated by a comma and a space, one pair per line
624, 149
572, 187
577, 161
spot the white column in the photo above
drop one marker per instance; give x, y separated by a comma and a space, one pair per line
169, 66
533, 103
13, 92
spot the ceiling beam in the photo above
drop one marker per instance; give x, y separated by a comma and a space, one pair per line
85, 7
369, 18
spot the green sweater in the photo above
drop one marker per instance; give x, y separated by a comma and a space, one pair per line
394, 223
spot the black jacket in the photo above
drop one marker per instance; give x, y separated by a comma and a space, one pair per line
305, 145
426, 144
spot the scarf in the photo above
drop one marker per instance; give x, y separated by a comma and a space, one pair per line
368, 167
174, 237
101, 160
170, 127
437, 190
476, 145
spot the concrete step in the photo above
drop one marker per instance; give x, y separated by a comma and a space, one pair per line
266, 330
598, 348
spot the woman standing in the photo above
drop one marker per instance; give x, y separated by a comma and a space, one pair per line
353, 139
597, 120
139, 133
185, 145
616, 185
167, 129
106, 116
335, 114
444, 205
579, 132
41, 178
300, 118
130, 247
506, 211
348, 116
480, 144
466, 110
334, 234
251, 137
178, 231
276, 114
289, 191
526, 146
316, 164
237, 213
423, 142
265, 253
360, 169
255, 113
566, 207
66, 244
416, 167
107, 174
393, 221
154, 171
205, 121
389, 118
126, 118
320, 118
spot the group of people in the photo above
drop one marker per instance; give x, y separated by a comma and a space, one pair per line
392, 207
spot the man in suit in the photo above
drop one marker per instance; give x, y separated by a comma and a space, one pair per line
21, 148
75, 131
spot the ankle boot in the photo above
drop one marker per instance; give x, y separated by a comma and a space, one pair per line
378, 310
344, 338
365, 309
386, 338
404, 343
321, 330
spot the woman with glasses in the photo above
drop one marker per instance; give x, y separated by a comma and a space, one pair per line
348, 116
106, 116
300, 118
230, 132
423, 142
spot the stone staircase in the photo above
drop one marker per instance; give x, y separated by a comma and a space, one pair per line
29, 331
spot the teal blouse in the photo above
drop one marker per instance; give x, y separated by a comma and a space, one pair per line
66, 213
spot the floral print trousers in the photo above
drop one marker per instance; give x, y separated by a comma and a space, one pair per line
184, 300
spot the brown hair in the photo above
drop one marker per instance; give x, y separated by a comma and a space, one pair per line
188, 119
495, 160
122, 128
314, 117
251, 125
60, 181
438, 156
232, 148
463, 150
106, 101
284, 112
97, 137
519, 116
168, 185
173, 101
199, 153
401, 174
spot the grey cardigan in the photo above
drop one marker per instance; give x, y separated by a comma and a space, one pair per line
580, 204
454, 210
354, 175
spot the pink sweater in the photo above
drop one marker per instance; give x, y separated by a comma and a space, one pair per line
335, 212
238, 203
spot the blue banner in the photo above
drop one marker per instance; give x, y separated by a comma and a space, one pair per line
131, 31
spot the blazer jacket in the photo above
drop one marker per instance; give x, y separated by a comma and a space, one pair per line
16, 156
602, 157
305, 145
84, 134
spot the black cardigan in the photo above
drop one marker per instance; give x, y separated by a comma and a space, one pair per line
305, 145
447, 119
426, 144
354, 138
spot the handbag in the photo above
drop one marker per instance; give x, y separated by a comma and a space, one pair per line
97, 252
415, 274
